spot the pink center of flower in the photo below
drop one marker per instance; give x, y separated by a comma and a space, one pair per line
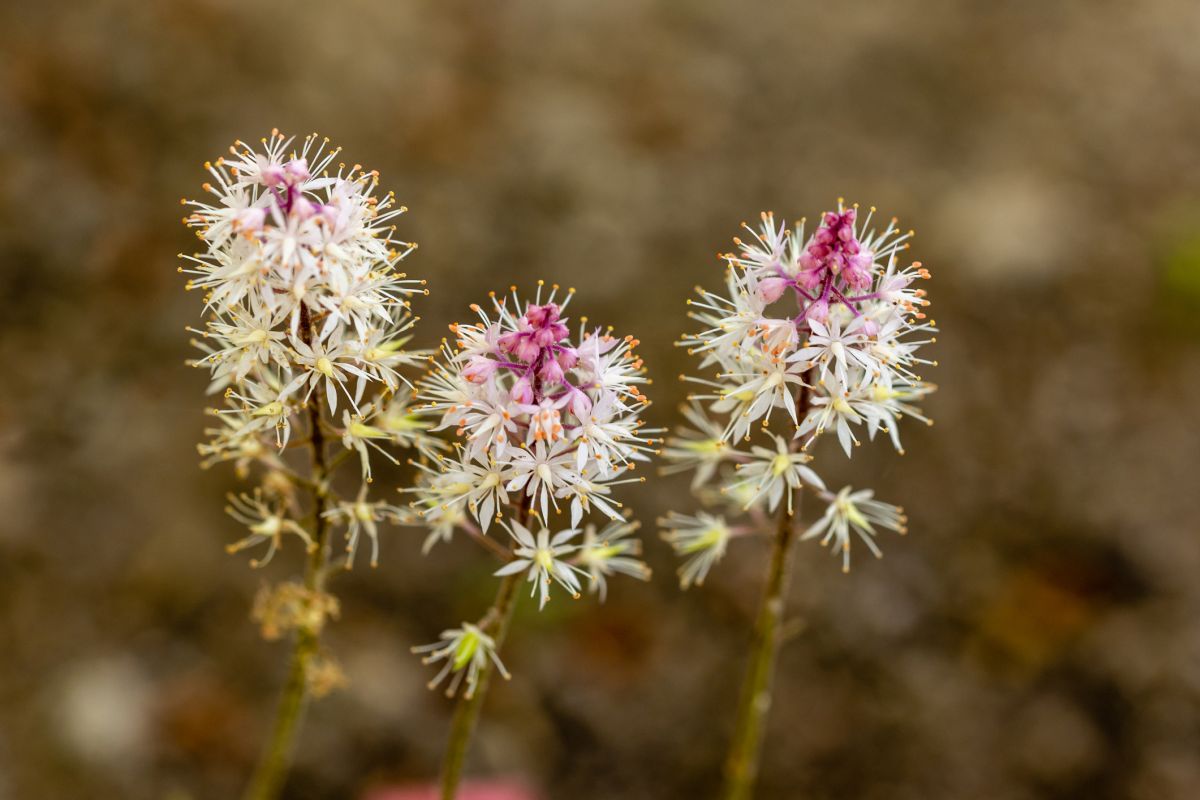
834, 268
285, 182
536, 353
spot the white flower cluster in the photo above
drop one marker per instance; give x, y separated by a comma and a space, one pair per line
304, 307
543, 422
824, 329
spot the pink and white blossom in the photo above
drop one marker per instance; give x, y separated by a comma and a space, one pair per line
821, 329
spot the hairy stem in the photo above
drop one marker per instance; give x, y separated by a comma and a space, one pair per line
741, 764
466, 712
277, 753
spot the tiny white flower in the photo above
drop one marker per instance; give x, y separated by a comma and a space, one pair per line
361, 517
611, 551
359, 435
541, 472
773, 473
542, 558
331, 362
267, 521
479, 485
701, 538
442, 521
700, 447
465, 651
858, 512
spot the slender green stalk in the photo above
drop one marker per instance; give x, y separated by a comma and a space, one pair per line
466, 713
741, 765
276, 757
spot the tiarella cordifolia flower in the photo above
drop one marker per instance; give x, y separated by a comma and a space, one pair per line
465, 651
546, 424
701, 539
540, 557
824, 329
307, 314
540, 417
774, 472
361, 517
305, 305
855, 511
442, 521
700, 447
610, 551
267, 521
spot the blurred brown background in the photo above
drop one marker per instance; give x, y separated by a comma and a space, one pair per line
1036, 635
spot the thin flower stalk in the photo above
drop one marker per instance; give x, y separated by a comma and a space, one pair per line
497, 619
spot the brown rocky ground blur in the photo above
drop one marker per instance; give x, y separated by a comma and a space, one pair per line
1035, 636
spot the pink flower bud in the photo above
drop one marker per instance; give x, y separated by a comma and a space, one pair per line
857, 274
551, 373
771, 289
519, 345
250, 219
541, 316
304, 208
817, 310
567, 357
810, 279
522, 391
479, 369
296, 171
581, 404
272, 175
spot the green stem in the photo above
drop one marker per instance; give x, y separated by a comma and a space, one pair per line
276, 757
466, 712
741, 766
745, 751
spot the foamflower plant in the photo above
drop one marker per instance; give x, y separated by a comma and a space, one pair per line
813, 334
305, 338
545, 426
